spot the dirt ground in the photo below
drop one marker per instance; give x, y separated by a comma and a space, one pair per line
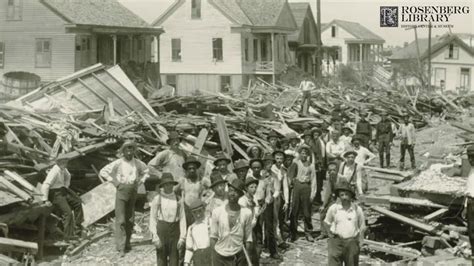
435, 140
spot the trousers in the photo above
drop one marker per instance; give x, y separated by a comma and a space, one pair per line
301, 203
168, 233
235, 260
320, 176
403, 149
343, 251
384, 148
125, 198
270, 221
70, 208
470, 221
202, 257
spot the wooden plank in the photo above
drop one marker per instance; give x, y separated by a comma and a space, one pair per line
387, 200
14, 245
102, 98
389, 171
422, 226
149, 125
226, 146
201, 139
434, 215
462, 126
389, 177
10, 186
113, 91
391, 249
4, 260
20, 180
88, 242
74, 96
448, 101
98, 202
239, 150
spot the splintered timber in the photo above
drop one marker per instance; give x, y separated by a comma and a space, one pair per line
431, 13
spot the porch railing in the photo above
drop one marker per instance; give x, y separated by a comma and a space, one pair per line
264, 66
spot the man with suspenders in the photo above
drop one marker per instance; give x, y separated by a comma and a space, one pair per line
351, 172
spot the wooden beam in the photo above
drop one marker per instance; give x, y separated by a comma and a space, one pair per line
389, 171
113, 91
239, 150
14, 245
422, 226
5, 260
434, 215
387, 200
201, 139
224, 135
389, 177
102, 98
391, 249
20, 180
88, 242
10, 186
74, 96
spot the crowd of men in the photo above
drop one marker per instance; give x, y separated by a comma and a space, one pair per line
245, 207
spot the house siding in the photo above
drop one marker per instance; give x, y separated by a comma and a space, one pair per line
190, 84
20, 37
453, 67
196, 42
339, 40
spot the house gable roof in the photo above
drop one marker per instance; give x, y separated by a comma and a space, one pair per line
300, 12
254, 13
437, 43
356, 29
108, 13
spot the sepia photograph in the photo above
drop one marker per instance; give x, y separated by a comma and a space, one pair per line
237, 132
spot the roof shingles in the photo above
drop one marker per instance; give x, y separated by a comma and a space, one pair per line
356, 29
97, 12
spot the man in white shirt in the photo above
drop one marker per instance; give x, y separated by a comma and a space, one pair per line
127, 174
345, 223
335, 147
469, 203
351, 172
55, 188
198, 243
407, 142
170, 160
364, 156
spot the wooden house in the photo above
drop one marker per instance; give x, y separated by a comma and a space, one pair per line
452, 62
303, 42
351, 44
218, 45
54, 38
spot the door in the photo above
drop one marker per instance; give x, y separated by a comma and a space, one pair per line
440, 77
465, 78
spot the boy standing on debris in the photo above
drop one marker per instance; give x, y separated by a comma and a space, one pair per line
407, 142
231, 229
345, 223
126, 173
56, 189
198, 246
303, 174
170, 160
167, 222
384, 137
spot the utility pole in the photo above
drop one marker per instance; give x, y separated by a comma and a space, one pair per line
318, 39
418, 58
429, 57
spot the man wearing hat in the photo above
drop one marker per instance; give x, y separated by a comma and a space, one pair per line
384, 137
241, 169
219, 197
329, 195
273, 140
167, 222
346, 137
191, 187
249, 201
231, 229
303, 174
170, 160
351, 172
56, 189
335, 147
198, 242
126, 173
294, 141
345, 223
222, 163
283, 200
364, 129
469, 202
364, 155
407, 141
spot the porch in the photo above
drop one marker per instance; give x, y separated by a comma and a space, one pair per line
363, 52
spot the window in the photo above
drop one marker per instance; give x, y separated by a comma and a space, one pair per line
246, 49
176, 49
255, 50
14, 10
465, 78
439, 76
336, 54
452, 52
196, 9
225, 83
333, 31
2, 54
171, 80
217, 49
43, 53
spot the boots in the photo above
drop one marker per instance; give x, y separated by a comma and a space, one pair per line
381, 159
402, 166
387, 157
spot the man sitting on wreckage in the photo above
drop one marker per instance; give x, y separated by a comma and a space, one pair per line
170, 160
56, 190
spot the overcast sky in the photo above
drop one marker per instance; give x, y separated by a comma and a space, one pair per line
365, 12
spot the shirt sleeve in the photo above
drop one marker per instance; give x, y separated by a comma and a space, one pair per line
156, 163
360, 219
182, 221
359, 180
248, 228
189, 246
327, 192
286, 191
261, 189
215, 224
330, 215
314, 185
108, 171
67, 178
369, 154
153, 215
50, 179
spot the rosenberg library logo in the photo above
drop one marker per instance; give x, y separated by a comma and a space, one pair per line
389, 16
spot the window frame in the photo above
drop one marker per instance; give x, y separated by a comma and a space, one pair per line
333, 31
2, 54
16, 10
176, 57
453, 52
196, 9
217, 52
468, 75
49, 53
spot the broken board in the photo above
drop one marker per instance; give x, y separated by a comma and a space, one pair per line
98, 202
